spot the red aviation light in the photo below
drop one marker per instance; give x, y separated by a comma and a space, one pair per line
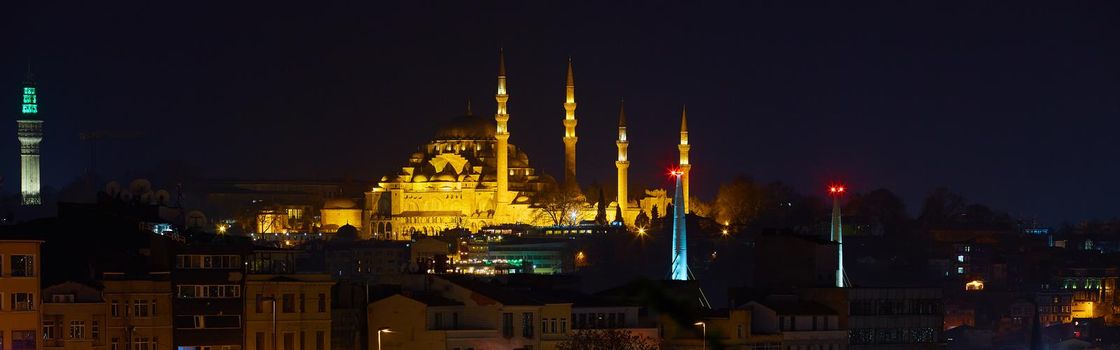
836, 190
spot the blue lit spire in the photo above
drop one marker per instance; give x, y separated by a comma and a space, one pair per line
679, 267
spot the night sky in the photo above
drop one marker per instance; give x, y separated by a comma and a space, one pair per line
1015, 105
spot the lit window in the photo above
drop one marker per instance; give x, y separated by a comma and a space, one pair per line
960, 269
960, 258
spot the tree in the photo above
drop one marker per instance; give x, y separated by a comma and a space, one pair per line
941, 207
561, 206
642, 220
738, 201
601, 211
881, 207
655, 216
699, 207
607, 339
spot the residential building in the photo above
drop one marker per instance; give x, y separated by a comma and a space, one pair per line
74, 317
285, 310
139, 311
207, 281
20, 311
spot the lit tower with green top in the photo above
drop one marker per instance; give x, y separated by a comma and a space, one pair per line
30, 133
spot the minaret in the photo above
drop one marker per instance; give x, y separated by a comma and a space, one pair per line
684, 165
837, 234
570, 130
502, 135
679, 267
622, 163
30, 133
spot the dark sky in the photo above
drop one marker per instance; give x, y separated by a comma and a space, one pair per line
1012, 104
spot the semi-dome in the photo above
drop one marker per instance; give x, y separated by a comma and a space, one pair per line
468, 127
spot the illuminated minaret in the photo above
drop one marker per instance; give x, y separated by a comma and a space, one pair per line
570, 130
684, 165
502, 135
622, 163
679, 268
837, 233
30, 133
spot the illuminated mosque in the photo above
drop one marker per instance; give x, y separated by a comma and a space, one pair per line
469, 176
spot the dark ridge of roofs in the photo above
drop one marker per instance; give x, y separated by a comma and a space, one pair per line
431, 299
783, 307
502, 294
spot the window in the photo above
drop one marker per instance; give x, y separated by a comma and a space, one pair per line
260, 341
23, 266
77, 329
322, 302
302, 304
114, 309
289, 341
23, 340
140, 343
564, 326
260, 303
438, 322
320, 340
23, 302
302, 340
115, 343
215, 291
140, 308
62, 298
739, 331
48, 330
455, 320
288, 302
507, 325
95, 330
552, 323
527, 324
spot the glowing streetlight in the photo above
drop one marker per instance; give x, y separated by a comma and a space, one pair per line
724, 231
704, 334
641, 231
379, 331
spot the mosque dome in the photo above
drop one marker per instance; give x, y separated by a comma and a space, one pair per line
340, 203
468, 127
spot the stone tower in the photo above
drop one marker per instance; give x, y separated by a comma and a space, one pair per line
30, 133
623, 164
685, 167
570, 138
501, 197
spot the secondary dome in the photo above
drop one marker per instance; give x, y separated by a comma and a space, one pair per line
468, 127
340, 203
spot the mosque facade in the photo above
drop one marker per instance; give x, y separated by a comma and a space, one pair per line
469, 176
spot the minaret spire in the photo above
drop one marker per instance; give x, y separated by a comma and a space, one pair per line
570, 138
30, 134
469, 107
685, 166
622, 164
502, 136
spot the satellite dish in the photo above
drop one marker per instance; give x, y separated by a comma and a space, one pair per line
196, 218
126, 196
163, 197
140, 186
147, 197
113, 188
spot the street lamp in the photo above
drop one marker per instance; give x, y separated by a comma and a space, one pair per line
704, 334
379, 331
